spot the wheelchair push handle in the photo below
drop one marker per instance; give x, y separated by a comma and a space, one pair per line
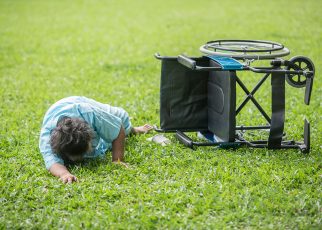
186, 61
184, 139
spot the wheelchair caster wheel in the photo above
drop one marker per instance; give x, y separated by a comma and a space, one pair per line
299, 63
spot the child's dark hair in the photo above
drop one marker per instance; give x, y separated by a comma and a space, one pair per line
71, 137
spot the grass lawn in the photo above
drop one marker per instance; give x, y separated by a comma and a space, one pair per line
104, 50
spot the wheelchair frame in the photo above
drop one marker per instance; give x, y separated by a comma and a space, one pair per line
216, 108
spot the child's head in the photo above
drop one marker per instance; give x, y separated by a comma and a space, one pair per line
71, 138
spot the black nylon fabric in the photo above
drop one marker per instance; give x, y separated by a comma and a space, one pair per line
222, 104
183, 96
278, 110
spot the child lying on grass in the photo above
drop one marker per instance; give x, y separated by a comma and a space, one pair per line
76, 128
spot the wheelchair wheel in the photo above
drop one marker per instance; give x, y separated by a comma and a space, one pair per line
299, 63
245, 49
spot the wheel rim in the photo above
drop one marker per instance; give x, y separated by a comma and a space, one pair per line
245, 49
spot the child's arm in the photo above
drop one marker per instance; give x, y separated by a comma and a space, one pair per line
62, 172
118, 147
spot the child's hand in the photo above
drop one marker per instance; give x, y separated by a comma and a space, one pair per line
68, 178
142, 129
121, 163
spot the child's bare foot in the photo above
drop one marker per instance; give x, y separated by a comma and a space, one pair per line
142, 129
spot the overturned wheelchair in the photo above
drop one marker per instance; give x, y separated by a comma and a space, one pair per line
199, 93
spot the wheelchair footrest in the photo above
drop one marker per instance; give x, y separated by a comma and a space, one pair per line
227, 63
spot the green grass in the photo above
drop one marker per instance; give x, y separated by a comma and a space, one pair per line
104, 50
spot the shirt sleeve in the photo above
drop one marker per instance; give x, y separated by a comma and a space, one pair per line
105, 124
44, 145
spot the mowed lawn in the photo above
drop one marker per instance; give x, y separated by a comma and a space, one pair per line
104, 50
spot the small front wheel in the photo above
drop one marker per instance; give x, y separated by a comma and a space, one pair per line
299, 63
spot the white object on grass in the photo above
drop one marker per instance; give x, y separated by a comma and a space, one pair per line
160, 139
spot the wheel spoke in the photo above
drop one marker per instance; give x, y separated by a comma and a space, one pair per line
300, 64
